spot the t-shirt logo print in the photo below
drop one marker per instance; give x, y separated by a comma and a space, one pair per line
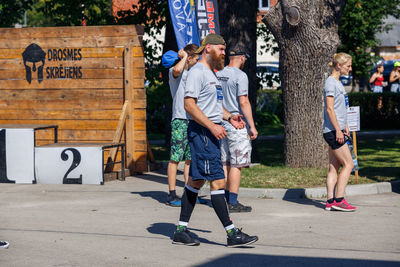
34, 58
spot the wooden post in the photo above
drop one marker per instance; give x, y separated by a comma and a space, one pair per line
355, 152
117, 138
136, 147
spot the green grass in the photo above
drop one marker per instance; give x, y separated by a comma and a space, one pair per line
269, 129
379, 161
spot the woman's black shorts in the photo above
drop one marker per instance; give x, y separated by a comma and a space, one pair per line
330, 138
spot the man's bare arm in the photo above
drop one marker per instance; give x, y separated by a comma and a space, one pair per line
197, 115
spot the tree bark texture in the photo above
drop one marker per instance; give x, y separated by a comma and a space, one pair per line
306, 47
238, 26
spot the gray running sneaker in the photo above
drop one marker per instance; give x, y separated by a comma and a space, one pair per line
239, 239
4, 244
238, 207
185, 238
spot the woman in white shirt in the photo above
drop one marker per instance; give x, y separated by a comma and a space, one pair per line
335, 131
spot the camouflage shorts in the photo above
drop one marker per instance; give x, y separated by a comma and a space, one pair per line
236, 147
180, 149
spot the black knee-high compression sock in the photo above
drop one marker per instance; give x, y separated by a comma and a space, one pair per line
221, 209
189, 198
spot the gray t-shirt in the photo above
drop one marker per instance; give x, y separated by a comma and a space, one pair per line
203, 85
234, 84
177, 87
335, 88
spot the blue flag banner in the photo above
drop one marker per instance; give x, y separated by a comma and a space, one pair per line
184, 21
207, 17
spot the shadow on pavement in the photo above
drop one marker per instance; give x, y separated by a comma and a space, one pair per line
159, 177
160, 196
167, 229
395, 186
298, 196
244, 259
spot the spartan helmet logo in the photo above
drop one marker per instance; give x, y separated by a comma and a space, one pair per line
32, 55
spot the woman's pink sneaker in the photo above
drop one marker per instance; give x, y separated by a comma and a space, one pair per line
343, 206
328, 206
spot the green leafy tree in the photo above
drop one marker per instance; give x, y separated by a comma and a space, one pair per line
12, 11
360, 22
154, 16
70, 13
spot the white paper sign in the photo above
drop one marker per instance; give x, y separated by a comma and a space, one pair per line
353, 118
69, 165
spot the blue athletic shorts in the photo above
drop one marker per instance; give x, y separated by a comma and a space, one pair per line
206, 154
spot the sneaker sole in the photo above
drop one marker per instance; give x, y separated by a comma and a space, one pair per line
342, 209
4, 247
242, 245
186, 244
238, 211
328, 209
172, 205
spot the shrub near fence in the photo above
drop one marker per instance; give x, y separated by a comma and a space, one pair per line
377, 111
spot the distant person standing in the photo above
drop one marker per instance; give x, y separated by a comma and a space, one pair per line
180, 149
335, 131
236, 147
377, 79
203, 102
394, 78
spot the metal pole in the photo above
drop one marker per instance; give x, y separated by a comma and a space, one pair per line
355, 152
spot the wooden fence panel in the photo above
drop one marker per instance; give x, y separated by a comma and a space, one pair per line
77, 78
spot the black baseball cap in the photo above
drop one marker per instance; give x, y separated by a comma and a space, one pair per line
238, 50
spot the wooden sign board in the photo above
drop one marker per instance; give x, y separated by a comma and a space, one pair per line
77, 78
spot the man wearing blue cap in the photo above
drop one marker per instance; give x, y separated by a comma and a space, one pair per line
180, 149
236, 147
203, 102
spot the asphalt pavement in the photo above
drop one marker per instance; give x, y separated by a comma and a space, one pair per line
126, 223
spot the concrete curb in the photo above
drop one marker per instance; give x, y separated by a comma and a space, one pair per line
296, 193
318, 192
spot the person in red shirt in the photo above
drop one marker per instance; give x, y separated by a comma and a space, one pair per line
377, 79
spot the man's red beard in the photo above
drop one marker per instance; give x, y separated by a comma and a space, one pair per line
216, 62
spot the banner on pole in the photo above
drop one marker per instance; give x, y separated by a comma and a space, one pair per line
207, 17
183, 17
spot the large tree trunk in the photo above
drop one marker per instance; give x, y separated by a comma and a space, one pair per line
238, 25
307, 35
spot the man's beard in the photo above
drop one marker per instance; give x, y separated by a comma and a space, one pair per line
216, 62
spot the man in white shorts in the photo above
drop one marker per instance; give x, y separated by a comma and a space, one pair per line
236, 147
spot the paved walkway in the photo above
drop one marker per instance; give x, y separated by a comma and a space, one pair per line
127, 224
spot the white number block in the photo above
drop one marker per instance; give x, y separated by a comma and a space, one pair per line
69, 164
17, 148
